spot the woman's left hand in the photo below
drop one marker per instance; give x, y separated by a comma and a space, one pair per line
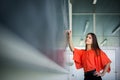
98, 74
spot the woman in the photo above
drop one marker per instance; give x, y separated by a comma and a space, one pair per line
92, 59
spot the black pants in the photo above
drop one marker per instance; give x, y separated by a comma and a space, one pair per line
90, 76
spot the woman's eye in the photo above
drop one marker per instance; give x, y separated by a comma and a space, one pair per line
89, 37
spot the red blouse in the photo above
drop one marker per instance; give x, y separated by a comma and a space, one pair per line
88, 60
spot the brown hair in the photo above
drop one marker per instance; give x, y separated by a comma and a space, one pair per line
95, 45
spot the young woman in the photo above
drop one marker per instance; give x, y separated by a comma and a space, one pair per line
92, 59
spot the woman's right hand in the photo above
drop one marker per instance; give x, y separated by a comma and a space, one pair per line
69, 34
69, 37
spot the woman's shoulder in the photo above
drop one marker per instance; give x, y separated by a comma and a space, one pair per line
101, 51
78, 52
78, 49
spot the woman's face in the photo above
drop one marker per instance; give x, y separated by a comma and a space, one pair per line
88, 40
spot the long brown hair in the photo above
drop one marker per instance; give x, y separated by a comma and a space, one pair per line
95, 45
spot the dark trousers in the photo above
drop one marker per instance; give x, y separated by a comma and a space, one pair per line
90, 76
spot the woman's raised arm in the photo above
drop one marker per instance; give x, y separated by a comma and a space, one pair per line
70, 42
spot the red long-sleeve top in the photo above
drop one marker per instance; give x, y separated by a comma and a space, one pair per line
88, 60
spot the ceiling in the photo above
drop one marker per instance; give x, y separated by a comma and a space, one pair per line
102, 23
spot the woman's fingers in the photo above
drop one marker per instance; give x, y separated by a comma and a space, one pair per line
97, 74
69, 32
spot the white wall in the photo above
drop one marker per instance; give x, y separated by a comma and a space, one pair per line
111, 54
117, 65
